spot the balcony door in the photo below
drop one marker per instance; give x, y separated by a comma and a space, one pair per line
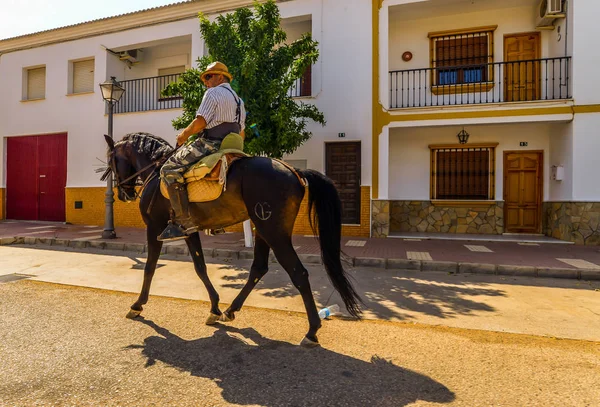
522, 68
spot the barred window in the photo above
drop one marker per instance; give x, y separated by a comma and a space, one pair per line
463, 173
462, 57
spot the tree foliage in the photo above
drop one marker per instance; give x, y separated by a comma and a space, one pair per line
252, 44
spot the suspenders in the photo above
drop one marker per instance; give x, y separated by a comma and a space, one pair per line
238, 110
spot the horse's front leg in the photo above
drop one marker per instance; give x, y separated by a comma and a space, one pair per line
154, 247
259, 268
193, 243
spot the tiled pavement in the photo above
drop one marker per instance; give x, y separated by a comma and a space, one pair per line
544, 258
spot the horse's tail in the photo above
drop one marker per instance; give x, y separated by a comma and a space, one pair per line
326, 223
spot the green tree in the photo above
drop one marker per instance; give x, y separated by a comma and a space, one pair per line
252, 45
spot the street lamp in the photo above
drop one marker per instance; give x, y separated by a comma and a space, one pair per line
111, 93
463, 136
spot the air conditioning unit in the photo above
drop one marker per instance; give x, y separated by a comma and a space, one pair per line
133, 56
547, 12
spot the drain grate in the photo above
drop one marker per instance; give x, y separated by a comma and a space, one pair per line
7, 278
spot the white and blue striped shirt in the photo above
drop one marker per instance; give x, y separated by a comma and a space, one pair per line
219, 105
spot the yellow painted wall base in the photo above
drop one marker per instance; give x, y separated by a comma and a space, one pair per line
2, 203
302, 226
92, 212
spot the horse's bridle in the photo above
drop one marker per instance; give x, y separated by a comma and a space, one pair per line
119, 184
149, 178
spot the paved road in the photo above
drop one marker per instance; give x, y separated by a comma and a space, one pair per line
536, 306
65, 345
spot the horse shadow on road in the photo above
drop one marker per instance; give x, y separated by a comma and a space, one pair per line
387, 294
254, 370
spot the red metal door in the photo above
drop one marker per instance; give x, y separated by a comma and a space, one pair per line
21, 178
52, 176
36, 177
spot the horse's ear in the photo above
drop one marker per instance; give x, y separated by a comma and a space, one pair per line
110, 142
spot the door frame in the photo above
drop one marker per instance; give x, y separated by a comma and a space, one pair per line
540, 197
538, 55
359, 172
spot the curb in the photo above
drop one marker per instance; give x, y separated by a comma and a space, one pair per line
372, 262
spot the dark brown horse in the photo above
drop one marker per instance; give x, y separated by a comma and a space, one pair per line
258, 188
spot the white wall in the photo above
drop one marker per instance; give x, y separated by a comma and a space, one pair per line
412, 35
586, 31
341, 86
341, 79
561, 153
80, 116
409, 168
158, 57
586, 157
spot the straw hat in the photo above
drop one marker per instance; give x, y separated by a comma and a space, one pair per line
216, 68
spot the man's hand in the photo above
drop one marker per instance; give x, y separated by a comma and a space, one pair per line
182, 138
195, 127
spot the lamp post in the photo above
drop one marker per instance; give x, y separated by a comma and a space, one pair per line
111, 93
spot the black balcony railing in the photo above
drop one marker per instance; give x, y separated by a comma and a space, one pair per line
516, 81
143, 95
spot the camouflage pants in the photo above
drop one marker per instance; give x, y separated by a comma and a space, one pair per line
172, 171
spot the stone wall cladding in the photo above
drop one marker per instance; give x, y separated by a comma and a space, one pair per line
380, 226
577, 222
423, 216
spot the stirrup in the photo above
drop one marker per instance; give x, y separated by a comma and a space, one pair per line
175, 232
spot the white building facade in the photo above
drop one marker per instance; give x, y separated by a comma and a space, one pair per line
516, 76
52, 101
446, 116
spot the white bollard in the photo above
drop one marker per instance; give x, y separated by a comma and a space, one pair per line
248, 234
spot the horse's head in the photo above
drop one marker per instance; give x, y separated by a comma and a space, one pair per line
120, 162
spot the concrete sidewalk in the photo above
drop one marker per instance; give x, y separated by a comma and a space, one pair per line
525, 256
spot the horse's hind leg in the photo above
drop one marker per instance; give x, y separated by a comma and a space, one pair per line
195, 247
259, 268
154, 247
288, 258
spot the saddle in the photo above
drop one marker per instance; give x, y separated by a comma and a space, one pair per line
207, 179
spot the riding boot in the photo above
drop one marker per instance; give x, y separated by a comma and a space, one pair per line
181, 225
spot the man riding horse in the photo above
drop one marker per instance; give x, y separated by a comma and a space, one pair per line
221, 112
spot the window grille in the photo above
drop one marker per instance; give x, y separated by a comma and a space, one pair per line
462, 173
462, 58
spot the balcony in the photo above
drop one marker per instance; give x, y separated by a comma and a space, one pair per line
142, 95
475, 84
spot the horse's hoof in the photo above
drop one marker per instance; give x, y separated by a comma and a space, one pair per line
308, 343
133, 314
226, 318
212, 319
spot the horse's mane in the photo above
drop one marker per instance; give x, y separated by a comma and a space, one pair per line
149, 144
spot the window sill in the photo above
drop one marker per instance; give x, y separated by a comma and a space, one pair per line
461, 204
462, 88
32, 100
81, 93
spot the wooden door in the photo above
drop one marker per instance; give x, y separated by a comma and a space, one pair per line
523, 191
52, 176
21, 178
522, 68
343, 167
36, 177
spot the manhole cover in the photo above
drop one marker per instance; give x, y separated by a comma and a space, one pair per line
13, 277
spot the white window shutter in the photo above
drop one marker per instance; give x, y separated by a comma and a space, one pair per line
171, 71
83, 76
36, 83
